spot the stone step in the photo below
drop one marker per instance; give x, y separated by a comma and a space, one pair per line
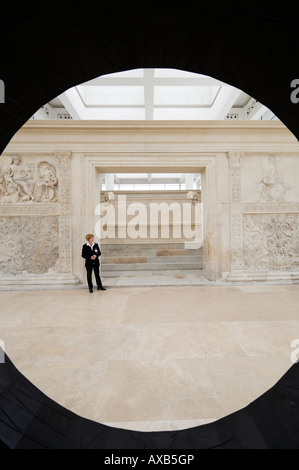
151, 252
106, 268
149, 256
142, 246
150, 259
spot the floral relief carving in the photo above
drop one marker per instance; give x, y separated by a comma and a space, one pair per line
22, 182
270, 242
236, 159
29, 245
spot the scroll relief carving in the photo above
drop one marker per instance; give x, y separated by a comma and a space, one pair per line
27, 182
271, 242
29, 245
236, 159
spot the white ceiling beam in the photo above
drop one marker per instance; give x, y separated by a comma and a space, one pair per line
224, 101
46, 112
200, 81
40, 114
257, 112
153, 181
115, 81
149, 94
240, 111
157, 81
72, 102
269, 115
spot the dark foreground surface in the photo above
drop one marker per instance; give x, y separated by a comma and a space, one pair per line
31, 420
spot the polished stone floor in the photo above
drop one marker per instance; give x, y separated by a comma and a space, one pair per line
173, 277
152, 357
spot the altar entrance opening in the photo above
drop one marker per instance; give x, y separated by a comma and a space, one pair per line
150, 222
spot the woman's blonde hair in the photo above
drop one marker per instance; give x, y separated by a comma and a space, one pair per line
89, 236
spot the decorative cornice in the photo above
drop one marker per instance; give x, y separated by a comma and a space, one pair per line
159, 124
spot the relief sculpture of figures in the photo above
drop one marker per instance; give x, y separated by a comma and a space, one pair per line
23, 183
47, 183
19, 180
272, 187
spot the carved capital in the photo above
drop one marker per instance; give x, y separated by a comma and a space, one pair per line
64, 159
235, 159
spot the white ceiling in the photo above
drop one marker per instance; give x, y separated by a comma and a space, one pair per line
189, 180
154, 94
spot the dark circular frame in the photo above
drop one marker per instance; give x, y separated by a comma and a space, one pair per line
49, 47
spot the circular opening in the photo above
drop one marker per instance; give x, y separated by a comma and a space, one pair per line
230, 57
156, 356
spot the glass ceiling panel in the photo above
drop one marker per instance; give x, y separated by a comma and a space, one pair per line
114, 95
134, 73
116, 114
131, 175
173, 73
152, 94
167, 175
145, 175
185, 95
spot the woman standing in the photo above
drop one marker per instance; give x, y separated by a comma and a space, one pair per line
91, 253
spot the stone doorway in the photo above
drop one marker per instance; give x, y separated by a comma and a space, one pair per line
151, 232
169, 258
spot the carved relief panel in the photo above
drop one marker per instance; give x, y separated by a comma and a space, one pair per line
29, 245
271, 186
26, 181
264, 233
35, 223
269, 179
271, 242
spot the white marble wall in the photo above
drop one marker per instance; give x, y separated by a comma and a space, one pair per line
265, 216
249, 192
35, 223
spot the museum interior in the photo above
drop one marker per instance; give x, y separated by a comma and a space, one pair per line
190, 188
